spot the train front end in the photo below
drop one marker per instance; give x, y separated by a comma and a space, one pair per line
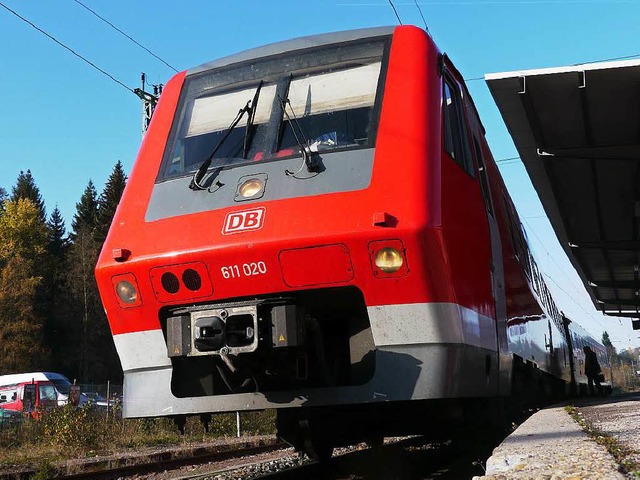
269, 249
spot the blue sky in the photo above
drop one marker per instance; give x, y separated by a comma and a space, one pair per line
68, 123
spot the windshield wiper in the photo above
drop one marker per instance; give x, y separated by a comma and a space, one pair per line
248, 131
202, 170
308, 156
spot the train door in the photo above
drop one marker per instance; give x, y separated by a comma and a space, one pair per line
28, 395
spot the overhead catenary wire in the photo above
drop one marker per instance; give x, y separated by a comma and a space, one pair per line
512, 162
84, 59
395, 11
508, 161
627, 57
124, 34
571, 282
421, 15
573, 298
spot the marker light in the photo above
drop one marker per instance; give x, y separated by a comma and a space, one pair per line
127, 292
388, 260
250, 188
126, 287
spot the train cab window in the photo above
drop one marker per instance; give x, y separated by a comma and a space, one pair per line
332, 110
455, 136
331, 97
206, 121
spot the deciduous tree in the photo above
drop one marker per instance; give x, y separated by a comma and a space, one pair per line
21, 345
23, 240
611, 350
3, 197
21, 231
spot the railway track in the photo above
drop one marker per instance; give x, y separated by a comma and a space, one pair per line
409, 458
157, 463
458, 456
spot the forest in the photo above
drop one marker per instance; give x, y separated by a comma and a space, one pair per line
51, 317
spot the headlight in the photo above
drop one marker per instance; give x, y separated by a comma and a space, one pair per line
126, 287
388, 260
127, 292
250, 188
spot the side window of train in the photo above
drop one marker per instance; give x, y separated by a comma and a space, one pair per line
482, 171
520, 248
455, 136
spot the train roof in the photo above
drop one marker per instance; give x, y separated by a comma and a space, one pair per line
292, 45
577, 130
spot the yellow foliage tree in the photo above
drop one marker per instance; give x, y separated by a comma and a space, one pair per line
20, 328
23, 240
22, 231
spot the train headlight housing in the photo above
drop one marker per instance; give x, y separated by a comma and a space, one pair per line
250, 188
389, 260
126, 289
127, 292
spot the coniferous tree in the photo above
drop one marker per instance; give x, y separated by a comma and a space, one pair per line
55, 297
107, 365
58, 242
86, 216
25, 187
87, 312
109, 199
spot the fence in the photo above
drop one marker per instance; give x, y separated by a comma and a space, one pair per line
104, 390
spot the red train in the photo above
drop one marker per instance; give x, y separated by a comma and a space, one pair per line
318, 226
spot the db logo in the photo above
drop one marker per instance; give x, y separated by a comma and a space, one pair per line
236, 222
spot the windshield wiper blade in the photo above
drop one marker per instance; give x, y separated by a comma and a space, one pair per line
202, 170
248, 131
307, 154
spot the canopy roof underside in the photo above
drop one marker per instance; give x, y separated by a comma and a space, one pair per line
577, 130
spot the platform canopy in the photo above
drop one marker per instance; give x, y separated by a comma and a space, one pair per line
577, 130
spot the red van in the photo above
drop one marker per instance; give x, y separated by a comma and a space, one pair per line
28, 397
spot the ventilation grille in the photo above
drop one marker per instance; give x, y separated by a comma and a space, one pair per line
186, 281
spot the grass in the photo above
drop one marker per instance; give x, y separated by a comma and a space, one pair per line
66, 433
621, 453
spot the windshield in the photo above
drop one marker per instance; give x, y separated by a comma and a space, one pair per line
62, 385
47, 392
331, 94
206, 121
333, 109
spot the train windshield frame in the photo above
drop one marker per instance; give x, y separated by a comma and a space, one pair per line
324, 98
